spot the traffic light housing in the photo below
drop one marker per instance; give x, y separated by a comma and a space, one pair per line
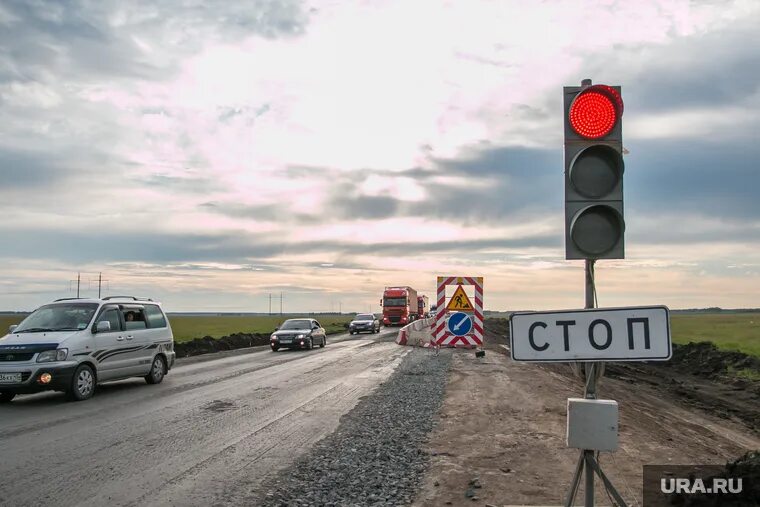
594, 223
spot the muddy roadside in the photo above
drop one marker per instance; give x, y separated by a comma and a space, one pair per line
500, 439
209, 344
698, 375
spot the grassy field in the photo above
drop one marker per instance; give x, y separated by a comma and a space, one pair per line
8, 320
729, 331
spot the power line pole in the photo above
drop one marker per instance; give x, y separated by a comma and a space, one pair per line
78, 280
280, 303
100, 283
270, 303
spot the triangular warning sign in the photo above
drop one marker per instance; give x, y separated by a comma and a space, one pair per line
460, 301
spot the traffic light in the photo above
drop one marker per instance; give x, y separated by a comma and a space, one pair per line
594, 224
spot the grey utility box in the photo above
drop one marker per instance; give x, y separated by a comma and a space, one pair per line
592, 424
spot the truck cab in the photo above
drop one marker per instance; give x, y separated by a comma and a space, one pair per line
399, 306
422, 307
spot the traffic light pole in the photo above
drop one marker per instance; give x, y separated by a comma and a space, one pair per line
594, 223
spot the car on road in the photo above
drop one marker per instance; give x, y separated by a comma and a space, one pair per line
364, 322
74, 344
298, 334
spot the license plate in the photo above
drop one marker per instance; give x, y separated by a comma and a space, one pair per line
10, 377
285, 340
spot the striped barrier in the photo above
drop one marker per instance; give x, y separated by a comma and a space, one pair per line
415, 333
401, 338
442, 335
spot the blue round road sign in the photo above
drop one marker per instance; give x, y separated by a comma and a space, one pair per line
459, 324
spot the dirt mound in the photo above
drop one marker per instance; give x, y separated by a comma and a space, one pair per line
747, 468
706, 360
208, 344
496, 332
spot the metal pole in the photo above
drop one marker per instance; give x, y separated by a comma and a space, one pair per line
589, 500
100, 282
570, 501
79, 277
280, 303
590, 389
589, 283
270, 303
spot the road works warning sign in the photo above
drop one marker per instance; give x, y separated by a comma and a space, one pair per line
459, 301
465, 327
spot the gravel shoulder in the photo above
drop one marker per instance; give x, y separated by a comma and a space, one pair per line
376, 456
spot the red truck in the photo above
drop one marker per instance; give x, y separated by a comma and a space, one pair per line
422, 307
399, 306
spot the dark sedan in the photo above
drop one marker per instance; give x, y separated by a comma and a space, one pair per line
364, 323
298, 334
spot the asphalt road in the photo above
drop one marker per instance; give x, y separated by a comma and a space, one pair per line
213, 431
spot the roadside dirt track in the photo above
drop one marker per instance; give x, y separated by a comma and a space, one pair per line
504, 423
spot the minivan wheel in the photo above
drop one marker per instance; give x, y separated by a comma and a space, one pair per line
6, 397
82, 384
157, 371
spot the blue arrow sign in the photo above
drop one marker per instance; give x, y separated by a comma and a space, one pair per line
459, 324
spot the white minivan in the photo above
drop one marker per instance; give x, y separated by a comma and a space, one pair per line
73, 344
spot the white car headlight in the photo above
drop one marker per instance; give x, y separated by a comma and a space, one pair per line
301, 336
49, 356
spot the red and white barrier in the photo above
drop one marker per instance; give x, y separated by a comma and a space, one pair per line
401, 339
442, 336
417, 332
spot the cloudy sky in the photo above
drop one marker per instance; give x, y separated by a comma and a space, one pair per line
209, 153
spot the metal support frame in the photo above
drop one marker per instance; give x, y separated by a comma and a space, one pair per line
587, 461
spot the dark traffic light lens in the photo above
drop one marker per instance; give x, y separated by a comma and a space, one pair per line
597, 229
593, 114
596, 171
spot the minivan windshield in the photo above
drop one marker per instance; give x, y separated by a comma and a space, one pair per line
58, 317
296, 324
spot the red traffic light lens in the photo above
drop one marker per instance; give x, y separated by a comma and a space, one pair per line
594, 112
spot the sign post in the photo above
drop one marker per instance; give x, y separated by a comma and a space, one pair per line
591, 336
